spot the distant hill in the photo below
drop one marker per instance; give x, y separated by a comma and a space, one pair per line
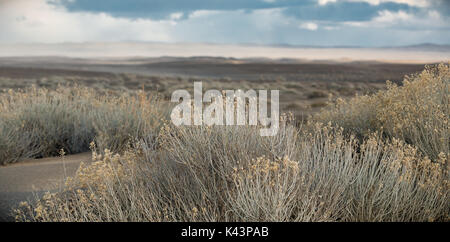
427, 47
421, 53
422, 47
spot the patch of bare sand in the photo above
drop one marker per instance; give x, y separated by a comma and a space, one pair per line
26, 179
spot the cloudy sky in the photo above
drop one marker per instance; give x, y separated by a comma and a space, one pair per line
295, 22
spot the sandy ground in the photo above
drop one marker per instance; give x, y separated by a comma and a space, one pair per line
24, 180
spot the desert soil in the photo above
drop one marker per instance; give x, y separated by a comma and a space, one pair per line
29, 178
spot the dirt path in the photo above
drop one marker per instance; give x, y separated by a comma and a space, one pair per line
22, 181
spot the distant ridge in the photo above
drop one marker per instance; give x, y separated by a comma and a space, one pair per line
422, 46
427, 46
421, 53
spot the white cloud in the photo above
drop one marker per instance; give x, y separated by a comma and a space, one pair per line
386, 19
204, 13
176, 16
39, 21
309, 26
387, 16
323, 2
417, 3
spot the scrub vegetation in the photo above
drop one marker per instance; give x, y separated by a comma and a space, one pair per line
377, 157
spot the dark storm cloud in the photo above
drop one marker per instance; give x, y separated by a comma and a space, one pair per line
294, 22
442, 6
301, 9
160, 9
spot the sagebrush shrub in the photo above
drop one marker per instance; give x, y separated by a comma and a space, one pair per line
201, 174
381, 157
417, 112
39, 122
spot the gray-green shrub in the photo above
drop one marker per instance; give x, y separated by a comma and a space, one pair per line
37, 122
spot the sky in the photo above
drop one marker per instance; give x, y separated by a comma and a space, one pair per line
367, 23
